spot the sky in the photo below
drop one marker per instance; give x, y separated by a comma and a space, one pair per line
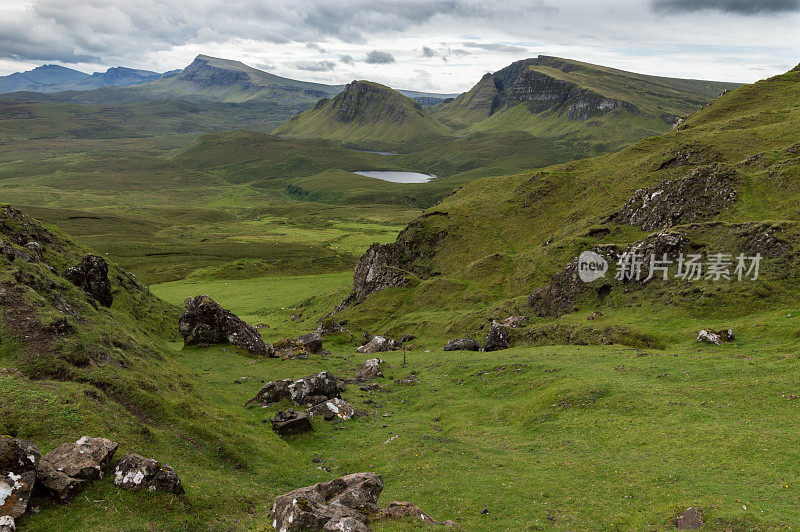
427, 45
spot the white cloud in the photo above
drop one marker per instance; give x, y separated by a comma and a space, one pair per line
456, 41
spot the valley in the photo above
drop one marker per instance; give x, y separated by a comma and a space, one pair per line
358, 214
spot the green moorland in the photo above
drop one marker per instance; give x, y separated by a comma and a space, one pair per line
559, 432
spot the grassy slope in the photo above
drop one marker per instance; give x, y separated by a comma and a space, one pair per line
654, 96
382, 117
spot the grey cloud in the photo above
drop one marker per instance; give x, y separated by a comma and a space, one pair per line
496, 47
347, 59
315, 66
315, 46
738, 7
117, 31
376, 57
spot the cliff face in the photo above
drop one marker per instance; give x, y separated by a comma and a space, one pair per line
201, 72
542, 93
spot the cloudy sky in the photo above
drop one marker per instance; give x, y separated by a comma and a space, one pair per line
431, 45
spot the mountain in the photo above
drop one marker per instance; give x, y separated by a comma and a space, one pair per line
365, 113
595, 105
723, 180
54, 78
45, 78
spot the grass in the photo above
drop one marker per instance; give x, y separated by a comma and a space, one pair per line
561, 437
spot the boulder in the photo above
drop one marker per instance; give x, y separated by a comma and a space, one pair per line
715, 337
56, 484
271, 393
379, 344
91, 276
404, 510
691, 519
291, 422
312, 342
335, 407
340, 504
595, 315
462, 344
314, 389
7, 524
347, 503
86, 459
289, 349
497, 338
369, 370
18, 461
205, 322
135, 473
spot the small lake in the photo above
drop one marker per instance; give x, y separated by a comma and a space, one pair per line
398, 177
374, 151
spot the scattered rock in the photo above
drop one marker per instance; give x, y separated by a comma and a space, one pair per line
336, 407
462, 344
513, 322
411, 380
7, 524
596, 315
86, 459
272, 392
369, 370
205, 322
91, 276
314, 389
699, 195
291, 422
715, 337
135, 472
379, 344
691, 519
345, 504
497, 338
328, 326
18, 462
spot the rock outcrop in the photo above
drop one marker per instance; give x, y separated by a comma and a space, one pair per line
18, 461
369, 370
314, 389
497, 338
347, 503
710, 336
379, 344
389, 265
298, 348
91, 276
462, 344
699, 195
135, 473
205, 322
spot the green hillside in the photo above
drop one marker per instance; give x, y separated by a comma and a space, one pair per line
365, 114
743, 143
